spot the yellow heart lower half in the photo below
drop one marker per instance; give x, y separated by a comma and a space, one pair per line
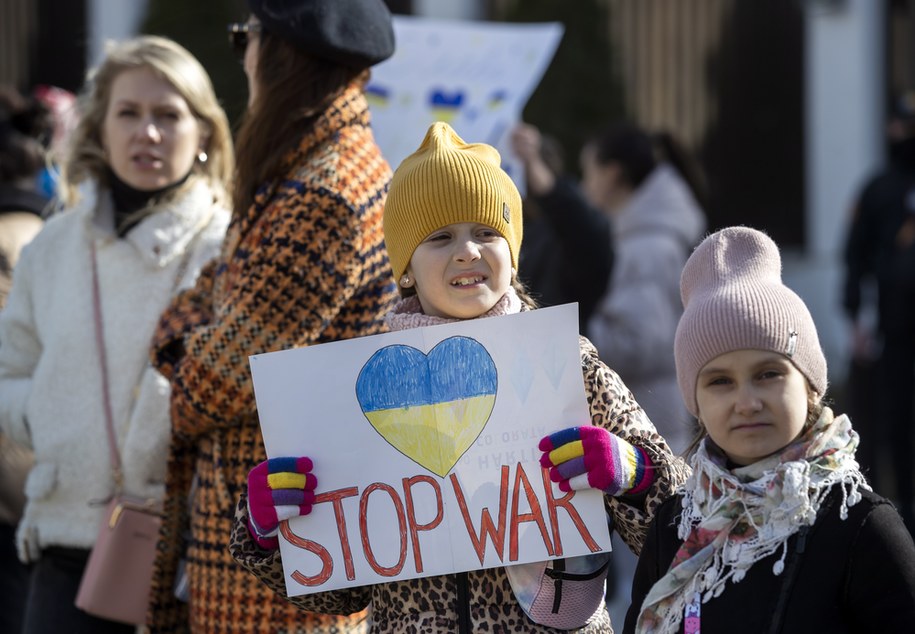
434, 436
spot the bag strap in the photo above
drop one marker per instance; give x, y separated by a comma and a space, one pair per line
103, 365
114, 454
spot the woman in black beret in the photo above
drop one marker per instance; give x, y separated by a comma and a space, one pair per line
303, 263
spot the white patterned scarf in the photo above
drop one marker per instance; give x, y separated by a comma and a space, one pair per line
733, 519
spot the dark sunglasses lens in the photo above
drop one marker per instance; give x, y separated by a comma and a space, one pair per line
239, 41
238, 37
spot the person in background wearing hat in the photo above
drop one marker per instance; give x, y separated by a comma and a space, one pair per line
776, 530
879, 301
453, 230
303, 263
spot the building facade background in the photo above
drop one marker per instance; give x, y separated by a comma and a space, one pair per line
783, 102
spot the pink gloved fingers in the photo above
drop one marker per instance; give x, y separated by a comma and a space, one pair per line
568, 469
288, 512
592, 457
300, 464
260, 500
580, 482
559, 438
289, 497
264, 501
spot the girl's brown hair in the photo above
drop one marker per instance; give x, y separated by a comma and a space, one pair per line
293, 89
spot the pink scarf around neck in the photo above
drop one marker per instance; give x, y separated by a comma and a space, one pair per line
408, 312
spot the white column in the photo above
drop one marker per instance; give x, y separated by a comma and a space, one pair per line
844, 103
845, 110
111, 20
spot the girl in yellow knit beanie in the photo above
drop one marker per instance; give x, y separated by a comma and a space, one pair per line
452, 224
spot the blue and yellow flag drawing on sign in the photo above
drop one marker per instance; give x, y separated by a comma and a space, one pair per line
430, 407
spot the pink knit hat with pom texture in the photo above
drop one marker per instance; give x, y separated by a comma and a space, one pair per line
734, 299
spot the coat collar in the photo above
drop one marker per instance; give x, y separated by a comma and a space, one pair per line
161, 236
349, 108
663, 202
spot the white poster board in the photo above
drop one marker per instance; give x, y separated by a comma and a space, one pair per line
424, 445
475, 76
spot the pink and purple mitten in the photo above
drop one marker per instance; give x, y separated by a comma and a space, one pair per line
278, 489
591, 457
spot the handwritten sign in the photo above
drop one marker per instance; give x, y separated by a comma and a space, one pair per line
475, 76
425, 449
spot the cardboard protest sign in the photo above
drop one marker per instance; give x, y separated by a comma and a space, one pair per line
475, 76
424, 445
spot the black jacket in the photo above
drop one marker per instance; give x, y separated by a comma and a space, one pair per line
13, 198
856, 575
567, 253
879, 247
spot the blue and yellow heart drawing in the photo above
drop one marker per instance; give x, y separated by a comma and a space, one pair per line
430, 407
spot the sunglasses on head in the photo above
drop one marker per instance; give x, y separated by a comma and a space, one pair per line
239, 35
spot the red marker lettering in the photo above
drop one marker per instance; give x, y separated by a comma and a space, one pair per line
534, 516
401, 524
565, 502
327, 563
486, 525
411, 514
337, 498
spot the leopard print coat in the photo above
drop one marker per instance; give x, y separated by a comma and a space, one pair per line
429, 604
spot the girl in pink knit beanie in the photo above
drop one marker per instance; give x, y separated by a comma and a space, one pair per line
776, 530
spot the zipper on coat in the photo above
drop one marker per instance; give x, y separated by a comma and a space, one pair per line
788, 581
791, 572
463, 603
559, 566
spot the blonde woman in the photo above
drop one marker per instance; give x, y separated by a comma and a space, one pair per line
144, 190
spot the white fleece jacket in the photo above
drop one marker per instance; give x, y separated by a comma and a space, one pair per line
50, 379
633, 327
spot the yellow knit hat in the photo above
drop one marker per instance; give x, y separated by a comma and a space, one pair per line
444, 182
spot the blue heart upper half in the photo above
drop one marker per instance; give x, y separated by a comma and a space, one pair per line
402, 376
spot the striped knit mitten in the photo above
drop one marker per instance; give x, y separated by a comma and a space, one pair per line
591, 457
278, 489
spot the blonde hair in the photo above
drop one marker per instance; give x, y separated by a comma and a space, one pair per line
85, 157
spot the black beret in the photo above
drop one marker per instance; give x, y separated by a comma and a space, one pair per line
354, 33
